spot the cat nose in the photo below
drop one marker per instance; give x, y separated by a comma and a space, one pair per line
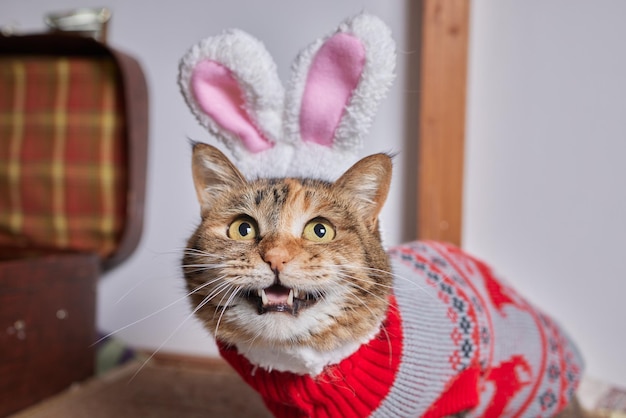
277, 257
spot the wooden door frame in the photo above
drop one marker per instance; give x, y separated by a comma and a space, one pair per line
442, 101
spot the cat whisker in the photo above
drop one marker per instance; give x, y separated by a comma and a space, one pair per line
172, 251
367, 279
252, 340
382, 327
207, 283
353, 284
393, 275
203, 257
355, 297
152, 314
131, 290
154, 353
205, 265
233, 293
373, 282
177, 252
196, 271
351, 274
197, 268
196, 251
224, 287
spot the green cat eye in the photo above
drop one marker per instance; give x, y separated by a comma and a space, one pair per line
318, 230
242, 229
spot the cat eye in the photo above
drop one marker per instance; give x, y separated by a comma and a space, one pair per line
242, 229
318, 230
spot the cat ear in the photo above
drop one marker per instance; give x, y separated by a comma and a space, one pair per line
338, 82
368, 183
231, 85
213, 173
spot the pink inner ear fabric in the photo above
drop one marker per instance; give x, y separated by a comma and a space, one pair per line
333, 76
218, 94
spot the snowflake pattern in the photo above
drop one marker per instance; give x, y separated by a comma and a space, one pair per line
460, 311
554, 372
458, 282
547, 400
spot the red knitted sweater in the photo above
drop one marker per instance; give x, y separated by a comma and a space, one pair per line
455, 339
370, 372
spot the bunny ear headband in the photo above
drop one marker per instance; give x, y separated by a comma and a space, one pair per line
313, 128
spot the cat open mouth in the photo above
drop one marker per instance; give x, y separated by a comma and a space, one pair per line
278, 298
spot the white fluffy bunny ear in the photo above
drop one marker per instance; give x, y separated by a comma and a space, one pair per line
316, 128
338, 82
231, 85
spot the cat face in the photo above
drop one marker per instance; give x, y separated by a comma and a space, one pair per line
288, 262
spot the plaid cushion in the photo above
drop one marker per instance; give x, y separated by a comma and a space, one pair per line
62, 153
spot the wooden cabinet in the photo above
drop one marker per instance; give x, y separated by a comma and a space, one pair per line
47, 325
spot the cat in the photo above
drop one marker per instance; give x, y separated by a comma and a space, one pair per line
291, 277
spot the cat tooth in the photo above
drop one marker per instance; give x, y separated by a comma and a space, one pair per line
290, 298
296, 293
263, 296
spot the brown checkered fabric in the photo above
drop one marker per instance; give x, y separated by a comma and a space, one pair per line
62, 153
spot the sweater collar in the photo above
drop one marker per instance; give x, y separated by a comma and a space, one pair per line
370, 372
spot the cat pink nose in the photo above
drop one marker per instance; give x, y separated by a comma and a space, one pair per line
277, 257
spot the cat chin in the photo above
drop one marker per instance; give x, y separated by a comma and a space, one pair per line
300, 360
282, 328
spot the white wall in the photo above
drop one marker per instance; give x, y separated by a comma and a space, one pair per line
544, 191
158, 33
545, 197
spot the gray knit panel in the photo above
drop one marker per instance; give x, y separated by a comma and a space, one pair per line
424, 368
